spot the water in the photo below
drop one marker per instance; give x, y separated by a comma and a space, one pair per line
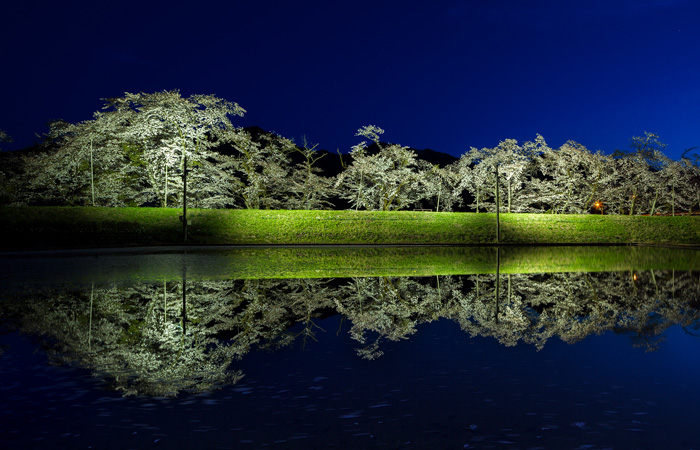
102, 350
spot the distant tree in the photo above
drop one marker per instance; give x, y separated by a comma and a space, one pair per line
8, 166
262, 170
469, 177
574, 177
692, 163
645, 180
383, 181
477, 169
307, 188
4, 137
679, 180
440, 185
629, 184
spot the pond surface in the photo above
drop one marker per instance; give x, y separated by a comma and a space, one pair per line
516, 348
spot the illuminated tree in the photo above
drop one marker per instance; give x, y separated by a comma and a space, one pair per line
692, 165
307, 188
477, 170
383, 181
166, 133
85, 165
676, 187
573, 178
440, 185
267, 179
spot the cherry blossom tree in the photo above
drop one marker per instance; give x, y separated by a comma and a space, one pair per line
573, 177
477, 169
440, 185
383, 181
261, 169
170, 133
308, 189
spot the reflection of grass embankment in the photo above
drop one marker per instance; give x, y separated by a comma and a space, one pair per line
256, 262
320, 262
80, 227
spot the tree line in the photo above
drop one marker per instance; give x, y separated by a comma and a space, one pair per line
138, 148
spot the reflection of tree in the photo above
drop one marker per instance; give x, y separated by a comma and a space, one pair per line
392, 307
163, 338
261, 312
133, 336
533, 308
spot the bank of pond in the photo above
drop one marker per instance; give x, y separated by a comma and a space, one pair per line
27, 228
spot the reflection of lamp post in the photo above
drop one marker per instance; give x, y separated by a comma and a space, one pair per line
183, 217
498, 278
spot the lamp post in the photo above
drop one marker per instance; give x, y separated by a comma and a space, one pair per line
498, 208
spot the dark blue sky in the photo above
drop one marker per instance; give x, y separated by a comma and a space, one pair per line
444, 75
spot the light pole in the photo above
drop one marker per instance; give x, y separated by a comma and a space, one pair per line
498, 208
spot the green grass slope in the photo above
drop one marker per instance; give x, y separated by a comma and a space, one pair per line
79, 227
260, 262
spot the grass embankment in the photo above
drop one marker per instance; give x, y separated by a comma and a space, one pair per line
76, 227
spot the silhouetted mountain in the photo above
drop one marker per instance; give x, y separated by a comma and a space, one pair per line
429, 155
435, 157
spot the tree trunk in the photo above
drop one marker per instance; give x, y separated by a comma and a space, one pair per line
437, 208
509, 194
673, 201
568, 199
165, 197
634, 197
587, 205
653, 204
359, 191
477, 200
92, 175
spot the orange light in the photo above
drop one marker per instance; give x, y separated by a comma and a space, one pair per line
634, 277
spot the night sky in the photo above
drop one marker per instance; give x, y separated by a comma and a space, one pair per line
445, 75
